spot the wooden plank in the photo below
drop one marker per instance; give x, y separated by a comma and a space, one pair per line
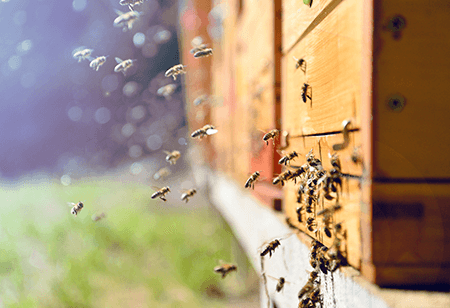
412, 142
350, 197
297, 17
332, 51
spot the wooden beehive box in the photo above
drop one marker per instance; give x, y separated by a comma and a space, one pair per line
381, 66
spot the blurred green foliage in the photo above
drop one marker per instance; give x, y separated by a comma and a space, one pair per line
144, 253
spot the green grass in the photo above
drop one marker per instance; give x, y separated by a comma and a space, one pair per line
144, 253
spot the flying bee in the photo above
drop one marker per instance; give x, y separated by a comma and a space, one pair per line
287, 158
305, 93
83, 54
200, 99
175, 70
197, 44
161, 173
300, 63
167, 90
280, 283
270, 248
188, 194
123, 65
204, 131
271, 135
224, 269
206, 52
126, 20
131, 3
198, 48
172, 157
98, 217
161, 193
282, 177
97, 62
252, 179
77, 207
310, 224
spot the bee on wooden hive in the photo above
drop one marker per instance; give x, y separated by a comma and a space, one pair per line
167, 90
204, 131
328, 218
175, 70
161, 173
300, 63
282, 177
172, 157
98, 217
310, 224
131, 3
224, 269
299, 213
271, 135
126, 20
252, 179
76, 207
97, 62
83, 54
270, 248
123, 65
188, 194
298, 173
286, 159
206, 52
306, 92
161, 193
310, 200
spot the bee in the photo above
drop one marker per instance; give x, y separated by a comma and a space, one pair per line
310, 201
204, 131
305, 93
161, 193
172, 157
175, 70
126, 20
280, 283
287, 158
300, 63
224, 269
131, 3
97, 62
313, 162
335, 161
298, 173
206, 52
299, 213
200, 99
314, 295
310, 224
356, 156
98, 217
197, 44
252, 179
271, 135
307, 288
282, 177
270, 248
83, 54
77, 207
161, 173
123, 65
188, 194
167, 90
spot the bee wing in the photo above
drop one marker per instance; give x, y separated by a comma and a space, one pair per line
211, 131
155, 188
118, 12
118, 60
71, 204
167, 152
